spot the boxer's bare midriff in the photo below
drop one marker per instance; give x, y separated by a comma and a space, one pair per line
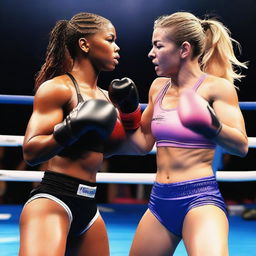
85, 167
181, 164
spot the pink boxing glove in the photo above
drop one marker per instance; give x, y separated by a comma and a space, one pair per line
196, 114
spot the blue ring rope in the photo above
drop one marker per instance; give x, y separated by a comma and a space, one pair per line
16, 99
28, 100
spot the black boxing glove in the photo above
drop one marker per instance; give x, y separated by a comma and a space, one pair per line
94, 114
124, 95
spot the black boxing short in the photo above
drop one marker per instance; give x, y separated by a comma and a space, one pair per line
76, 196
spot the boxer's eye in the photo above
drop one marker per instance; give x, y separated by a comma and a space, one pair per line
111, 39
159, 46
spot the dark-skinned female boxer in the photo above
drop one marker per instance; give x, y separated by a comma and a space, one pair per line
73, 125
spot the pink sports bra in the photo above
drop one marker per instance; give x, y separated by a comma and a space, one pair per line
168, 129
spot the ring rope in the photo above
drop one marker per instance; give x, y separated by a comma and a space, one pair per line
126, 178
16, 99
11, 140
28, 100
15, 141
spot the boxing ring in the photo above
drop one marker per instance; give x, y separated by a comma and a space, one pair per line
122, 219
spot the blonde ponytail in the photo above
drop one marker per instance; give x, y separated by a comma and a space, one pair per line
210, 40
218, 58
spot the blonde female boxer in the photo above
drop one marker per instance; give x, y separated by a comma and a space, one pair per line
193, 106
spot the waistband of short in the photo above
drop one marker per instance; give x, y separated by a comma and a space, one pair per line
178, 144
185, 188
68, 184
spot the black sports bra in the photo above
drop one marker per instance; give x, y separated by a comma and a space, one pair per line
88, 142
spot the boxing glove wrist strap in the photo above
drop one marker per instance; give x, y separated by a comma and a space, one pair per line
131, 121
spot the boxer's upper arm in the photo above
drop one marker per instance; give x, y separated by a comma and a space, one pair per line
226, 106
47, 109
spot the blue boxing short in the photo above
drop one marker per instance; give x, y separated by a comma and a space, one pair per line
76, 196
170, 202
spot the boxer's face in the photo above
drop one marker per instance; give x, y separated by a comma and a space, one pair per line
165, 54
103, 50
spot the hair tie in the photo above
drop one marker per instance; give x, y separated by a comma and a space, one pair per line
205, 25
